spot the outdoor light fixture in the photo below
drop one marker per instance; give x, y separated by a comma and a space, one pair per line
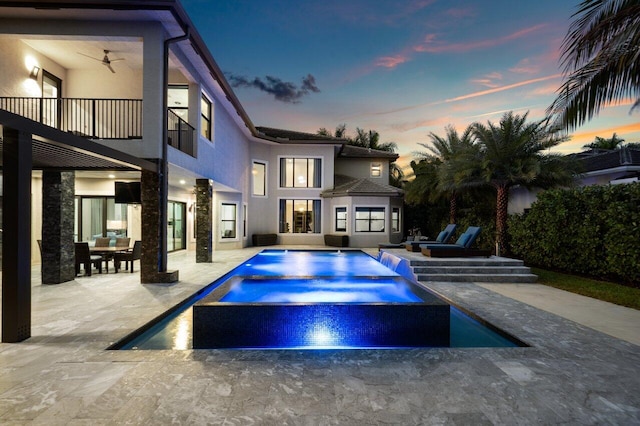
34, 72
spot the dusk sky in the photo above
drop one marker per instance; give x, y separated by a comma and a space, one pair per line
403, 68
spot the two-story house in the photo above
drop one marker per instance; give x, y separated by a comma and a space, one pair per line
117, 121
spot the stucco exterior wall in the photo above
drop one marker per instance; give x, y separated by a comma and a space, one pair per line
17, 61
361, 168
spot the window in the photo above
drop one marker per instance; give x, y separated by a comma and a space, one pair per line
341, 219
370, 219
228, 221
178, 100
300, 216
205, 117
99, 217
259, 173
395, 219
376, 169
300, 172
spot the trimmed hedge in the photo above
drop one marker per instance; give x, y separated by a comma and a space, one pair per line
593, 230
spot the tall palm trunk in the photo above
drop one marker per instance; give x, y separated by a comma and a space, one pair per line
502, 204
453, 208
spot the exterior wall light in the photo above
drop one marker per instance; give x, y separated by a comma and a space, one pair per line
34, 72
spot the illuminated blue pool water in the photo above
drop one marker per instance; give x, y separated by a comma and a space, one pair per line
344, 290
333, 283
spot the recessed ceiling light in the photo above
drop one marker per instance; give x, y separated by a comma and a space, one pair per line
182, 181
112, 176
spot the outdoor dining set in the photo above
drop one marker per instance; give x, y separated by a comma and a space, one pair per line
102, 251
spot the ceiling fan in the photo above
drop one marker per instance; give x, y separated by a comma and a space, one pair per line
105, 60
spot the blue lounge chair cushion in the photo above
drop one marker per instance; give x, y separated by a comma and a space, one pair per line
441, 236
463, 240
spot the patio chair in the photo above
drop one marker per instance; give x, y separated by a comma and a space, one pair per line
103, 242
443, 238
106, 257
122, 243
84, 257
128, 256
461, 248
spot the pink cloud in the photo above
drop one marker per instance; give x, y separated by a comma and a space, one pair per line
502, 88
431, 45
488, 80
525, 66
546, 90
391, 61
628, 132
460, 13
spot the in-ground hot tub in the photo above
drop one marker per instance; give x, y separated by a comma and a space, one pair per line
250, 312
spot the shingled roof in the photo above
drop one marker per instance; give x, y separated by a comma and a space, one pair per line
595, 160
350, 186
346, 150
292, 136
352, 151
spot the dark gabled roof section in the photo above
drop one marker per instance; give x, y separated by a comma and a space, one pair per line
353, 151
290, 136
350, 186
595, 160
346, 150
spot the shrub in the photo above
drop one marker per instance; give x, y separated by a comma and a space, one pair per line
591, 230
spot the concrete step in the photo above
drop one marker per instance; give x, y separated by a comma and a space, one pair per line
478, 270
480, 278
475, 261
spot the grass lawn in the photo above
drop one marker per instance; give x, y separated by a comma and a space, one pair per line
603, 290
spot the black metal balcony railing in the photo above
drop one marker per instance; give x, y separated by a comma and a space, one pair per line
91, 118
99, 118
180, 135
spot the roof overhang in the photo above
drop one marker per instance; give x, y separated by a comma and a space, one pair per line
53, 149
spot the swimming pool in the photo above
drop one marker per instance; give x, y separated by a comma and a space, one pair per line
327, 299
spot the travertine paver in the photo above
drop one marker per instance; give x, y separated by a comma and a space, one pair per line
572, 374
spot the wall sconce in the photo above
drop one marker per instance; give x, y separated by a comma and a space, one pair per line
34, 72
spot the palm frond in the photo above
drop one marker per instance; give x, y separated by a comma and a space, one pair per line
601, 60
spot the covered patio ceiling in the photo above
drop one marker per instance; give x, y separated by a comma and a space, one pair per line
53, 149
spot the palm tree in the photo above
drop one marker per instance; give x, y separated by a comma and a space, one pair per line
447, 150
614, 142
601, 58
339, 133
422, 187
513, 153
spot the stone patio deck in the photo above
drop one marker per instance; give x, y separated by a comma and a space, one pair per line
571, 374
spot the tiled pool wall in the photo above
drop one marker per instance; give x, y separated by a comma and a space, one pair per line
248, 324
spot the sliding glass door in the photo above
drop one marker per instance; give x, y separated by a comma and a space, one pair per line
176, 226
100, 217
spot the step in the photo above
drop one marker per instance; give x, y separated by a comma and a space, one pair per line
494, 278
476, 261
484, 270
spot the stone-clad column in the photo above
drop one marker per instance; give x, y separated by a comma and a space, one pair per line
150, 257
16, 239
204, 218
58, 250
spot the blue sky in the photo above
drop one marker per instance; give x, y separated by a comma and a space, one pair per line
403, 68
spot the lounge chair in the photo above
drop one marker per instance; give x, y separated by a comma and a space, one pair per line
443, 238
461, 248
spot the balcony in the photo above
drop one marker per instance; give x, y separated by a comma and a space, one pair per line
180, 134
105, 119
90, 118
